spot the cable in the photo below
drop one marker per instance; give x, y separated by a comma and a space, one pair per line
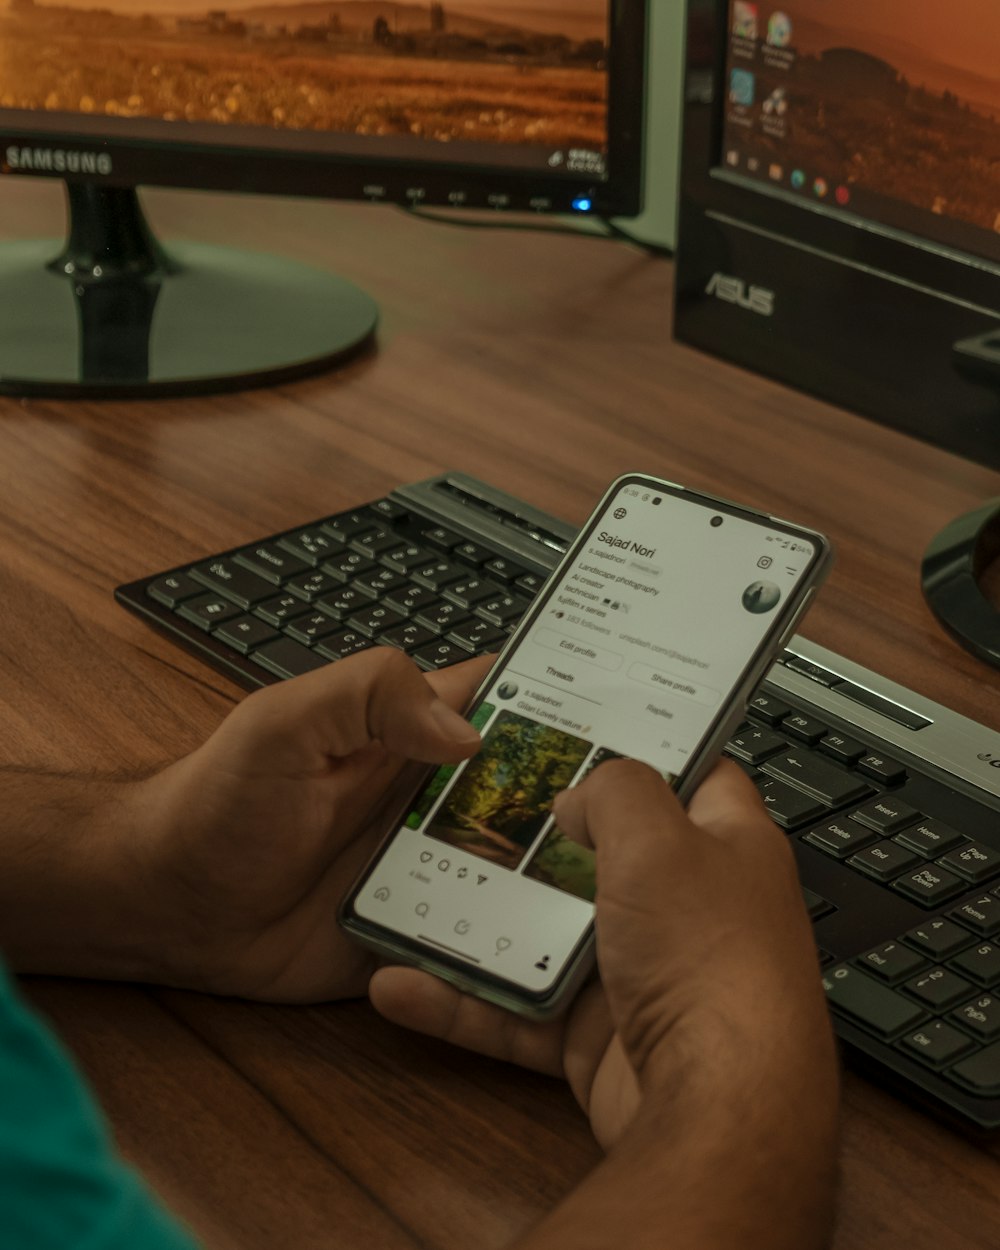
611, 229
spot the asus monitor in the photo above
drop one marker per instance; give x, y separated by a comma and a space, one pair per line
471, 104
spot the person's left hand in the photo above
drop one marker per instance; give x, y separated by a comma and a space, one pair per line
240, 853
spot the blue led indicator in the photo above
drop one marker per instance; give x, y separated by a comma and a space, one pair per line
583, 204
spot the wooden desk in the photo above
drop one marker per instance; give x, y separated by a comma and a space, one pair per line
544, 365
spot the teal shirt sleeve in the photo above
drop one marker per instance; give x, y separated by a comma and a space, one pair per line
62, 1184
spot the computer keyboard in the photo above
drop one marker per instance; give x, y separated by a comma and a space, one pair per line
892, 801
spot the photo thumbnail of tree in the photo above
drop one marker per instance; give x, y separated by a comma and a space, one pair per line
431, 792
503, 796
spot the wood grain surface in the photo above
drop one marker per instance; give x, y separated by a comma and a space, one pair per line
542, 364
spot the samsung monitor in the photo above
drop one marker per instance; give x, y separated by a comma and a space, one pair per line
839, 220
469, 104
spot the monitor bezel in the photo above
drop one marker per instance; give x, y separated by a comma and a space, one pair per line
135, 161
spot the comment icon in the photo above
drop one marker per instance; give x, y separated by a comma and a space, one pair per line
422, 909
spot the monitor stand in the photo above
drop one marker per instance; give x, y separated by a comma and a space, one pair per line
114, 314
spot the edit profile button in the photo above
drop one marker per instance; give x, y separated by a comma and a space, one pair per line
577, 649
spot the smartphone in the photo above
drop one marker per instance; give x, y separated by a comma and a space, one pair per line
645, 642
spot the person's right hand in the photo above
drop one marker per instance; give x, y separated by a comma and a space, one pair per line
709, 983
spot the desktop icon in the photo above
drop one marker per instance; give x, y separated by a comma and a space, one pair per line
776, 104
842, 195
820, 188
744, 20
779, 30
753, 164
741, 86
775, 173
798, 179
732, 157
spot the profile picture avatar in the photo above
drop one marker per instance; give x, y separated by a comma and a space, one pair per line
761, 596
507, 689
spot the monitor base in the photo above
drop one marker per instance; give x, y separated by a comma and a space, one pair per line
113, 314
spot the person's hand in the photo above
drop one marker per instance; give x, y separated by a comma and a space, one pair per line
240, 853
708, 972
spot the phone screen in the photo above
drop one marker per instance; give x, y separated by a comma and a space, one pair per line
633, 648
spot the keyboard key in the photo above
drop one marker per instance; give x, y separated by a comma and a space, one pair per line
313, 586
530, 583
280, 609
929, 886
310, 545
981, 963
228, 578
349, 525
981, 1072
440, 574
889, 772
409, 599
937, 1044
787, 807
208, 611
344, 566
472, 553
405, 557
379, 583
272, 562
503, 609
407, 637
439, 655
892, 962
245, 633
981, 915
815, 672
287, 658
311, 627
931, 838
816, 905
752, 744
506, 570
840, 747
374, 542
981, 1017
840, 838
477, 637
441, 617
804, 728
387, 510
938, 938
823, 781
343, 602
440, 536
173, 589
869, 1003
339, 646
472, 590
372, 621
886, 814
768, 709
884, 860
938, 988
975, 861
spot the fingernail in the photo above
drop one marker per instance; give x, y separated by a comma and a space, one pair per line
452, 724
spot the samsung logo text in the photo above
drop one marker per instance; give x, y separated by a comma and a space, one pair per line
58, 160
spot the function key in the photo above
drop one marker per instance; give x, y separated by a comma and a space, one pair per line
389, 510
931, 838
937, 1044
472, 553
981, 963
815, 672
233, 581
439, 536
768, 709
271, 561
287, 658
309, 545
840, 747
889, 772
505, 569
883, 861
938, 938
891, 961
349, 525
981, 915
804, 728
981, 1016
174, 589
929, 886
886, 814
208, 611
975, 861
